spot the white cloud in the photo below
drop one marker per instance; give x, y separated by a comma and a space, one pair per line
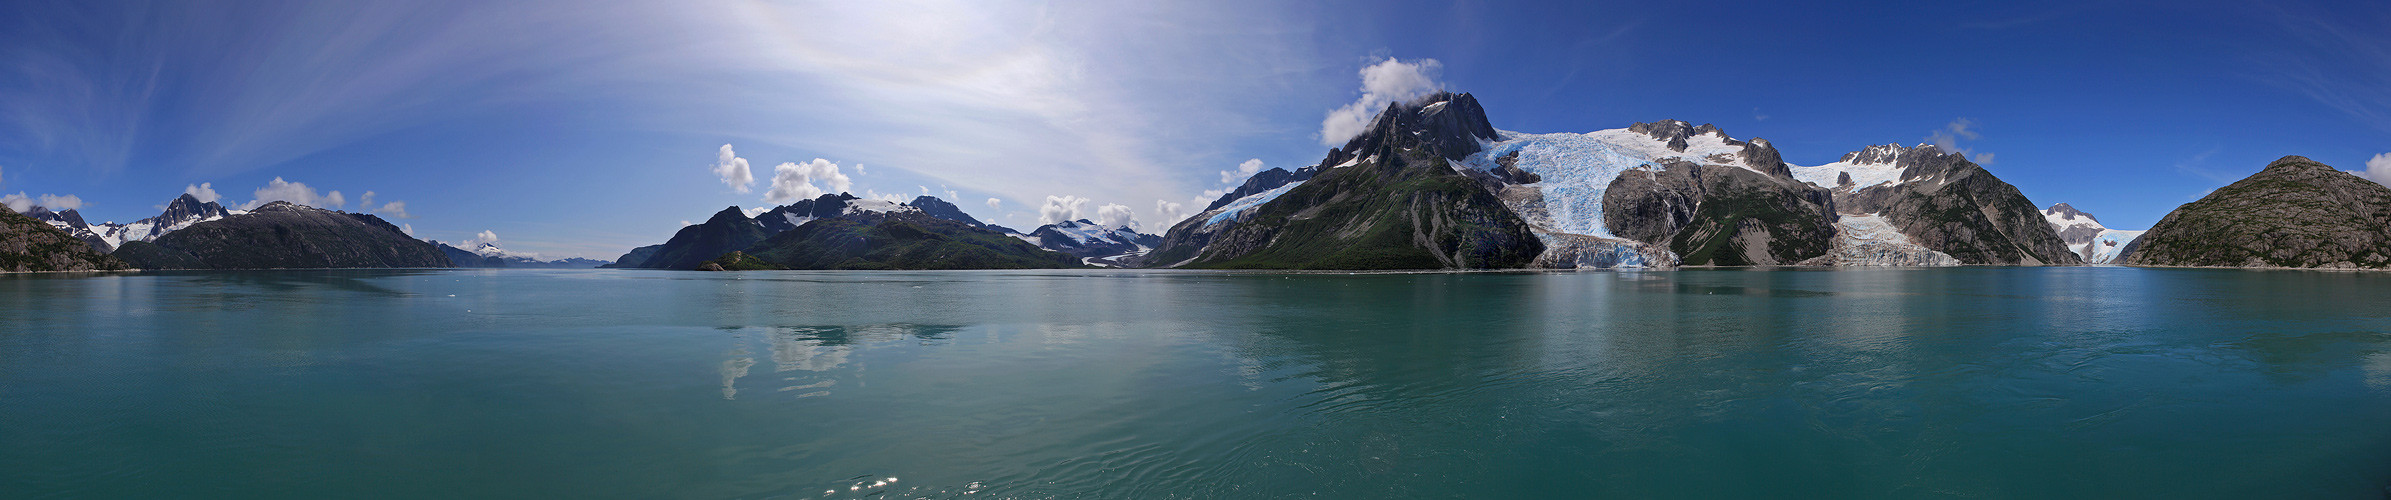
294, 192
795, 181
757, 211
996, 204
1116, 215
485, 237
858, 169
205, 192
951, 195
1948, 139
1386, 82
1244, 170
733, 170
394, 209
2379, 168
1169, 212
20, 203
407, 228
1061, 208
888, 197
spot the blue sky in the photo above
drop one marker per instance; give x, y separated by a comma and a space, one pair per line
586, 128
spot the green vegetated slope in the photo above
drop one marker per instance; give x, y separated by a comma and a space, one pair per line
28, 245
2295, 213
900, 240
282, 235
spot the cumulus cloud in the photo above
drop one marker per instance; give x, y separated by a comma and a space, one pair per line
407, 228
1386, 82
733, 170
795, 181
20, 203
1170, 212
2379, 168
951, 195
996, 204
204, 192
1244, 170
858, 169
483, 238
294, 192
1061, 208
1116, 215
394, 209
1959, 129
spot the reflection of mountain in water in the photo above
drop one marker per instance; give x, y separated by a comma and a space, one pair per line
820, 349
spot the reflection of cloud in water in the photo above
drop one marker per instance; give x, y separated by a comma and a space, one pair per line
2378, 370
811, 349
732, 369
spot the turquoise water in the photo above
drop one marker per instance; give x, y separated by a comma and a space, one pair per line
1948, 383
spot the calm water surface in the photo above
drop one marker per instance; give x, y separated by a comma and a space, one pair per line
1950, 383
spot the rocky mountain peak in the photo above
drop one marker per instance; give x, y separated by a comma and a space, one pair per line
284, 206
943, 210
2067, 212
1876, 154
187, 207
1447, 124
727, 215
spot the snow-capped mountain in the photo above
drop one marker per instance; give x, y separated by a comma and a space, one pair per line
1097, 244
1940, 202
71, 222
2085, 236
105, 237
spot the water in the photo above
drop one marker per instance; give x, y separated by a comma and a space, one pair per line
1952, 383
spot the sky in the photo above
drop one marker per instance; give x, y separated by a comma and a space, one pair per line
565, 128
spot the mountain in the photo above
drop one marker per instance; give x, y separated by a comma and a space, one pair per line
728, 230
943, 210
1093, 242
897, 237
73, 225
2295, 213
1943, 203
637, 257
1389, 199
787, 217
489, 255
28, 245
282, 235
467, 258
1656, 194
182, 212
2086, 237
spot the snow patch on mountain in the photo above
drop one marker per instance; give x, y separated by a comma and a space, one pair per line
1577, 169
862, 205
2107, 248
1877, 165
1239, 209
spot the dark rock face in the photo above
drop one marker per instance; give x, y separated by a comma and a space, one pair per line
185, 209
28, 245
2296, 213
894, 240
282, 235
787, 217
728, 230
1951, 205
943, 210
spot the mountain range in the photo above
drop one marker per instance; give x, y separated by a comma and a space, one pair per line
842, 231
1429, 184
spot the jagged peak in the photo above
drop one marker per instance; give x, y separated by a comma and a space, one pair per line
2063, 211
1450, 124
732, 214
